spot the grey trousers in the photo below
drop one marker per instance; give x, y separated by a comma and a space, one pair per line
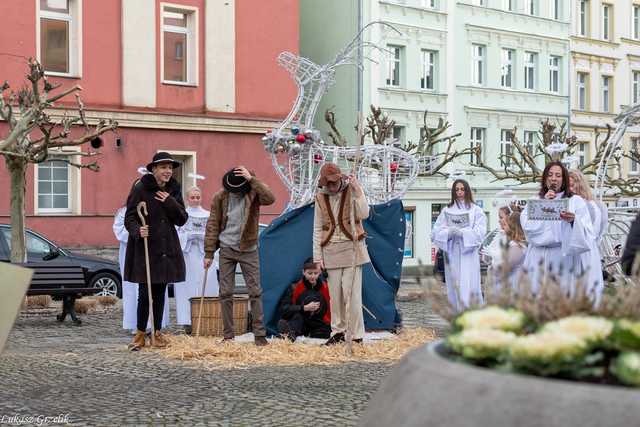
250, 266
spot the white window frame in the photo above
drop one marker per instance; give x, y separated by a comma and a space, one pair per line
634, 167
477, 2
507, 67
635, 86
582, 88
530, 62
477, 138
394, 62
606, 94
430, 4
555, 7
635, 22
606, 22
478, 58
583, 153
74, 19
508, 5
583, 20
530, 7
429, 60
555, 63
399, 132
73, 184
192, 35
506, 146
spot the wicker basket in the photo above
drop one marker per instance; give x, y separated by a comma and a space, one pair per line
212, 316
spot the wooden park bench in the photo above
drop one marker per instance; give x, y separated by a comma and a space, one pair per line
61, 281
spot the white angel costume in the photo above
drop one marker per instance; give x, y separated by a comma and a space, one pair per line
459, 232
558, 248
192, 242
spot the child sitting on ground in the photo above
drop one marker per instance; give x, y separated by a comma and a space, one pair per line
305, 306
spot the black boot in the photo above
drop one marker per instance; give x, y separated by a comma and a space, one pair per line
335, 339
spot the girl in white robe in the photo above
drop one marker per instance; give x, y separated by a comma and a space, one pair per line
593, 279
459, 232
558, 248
192, 241
130, 290
513, 248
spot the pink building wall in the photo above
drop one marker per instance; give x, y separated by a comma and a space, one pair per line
263, 90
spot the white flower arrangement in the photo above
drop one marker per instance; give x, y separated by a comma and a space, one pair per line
480, 344
492, 317
547, 353
594, 330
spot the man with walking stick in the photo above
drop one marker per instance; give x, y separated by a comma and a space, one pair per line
154, 256
339, 246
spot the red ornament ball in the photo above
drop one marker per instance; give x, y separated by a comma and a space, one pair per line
393, 167
317, 158
300, 138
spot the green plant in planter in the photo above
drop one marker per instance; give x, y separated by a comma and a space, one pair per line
551, 353
492, 317
592, 329
625, 335
626, 368
482, 345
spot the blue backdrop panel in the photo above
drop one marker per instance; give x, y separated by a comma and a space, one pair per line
287, 243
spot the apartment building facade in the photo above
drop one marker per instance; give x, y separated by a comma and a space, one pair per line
486, 66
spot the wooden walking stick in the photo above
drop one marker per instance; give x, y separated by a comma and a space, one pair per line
349, 332
204, 285
142, 212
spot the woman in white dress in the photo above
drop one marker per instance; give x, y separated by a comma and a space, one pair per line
459, 231
130, 290
509, 264
192, 241
558, 248
593, 280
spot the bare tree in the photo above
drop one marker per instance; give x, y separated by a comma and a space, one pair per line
33, 133
379, 127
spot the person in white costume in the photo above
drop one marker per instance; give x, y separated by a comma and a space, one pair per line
130, 290
192, 242
491, 251
558, 248
508, 265
459, 231
594, 282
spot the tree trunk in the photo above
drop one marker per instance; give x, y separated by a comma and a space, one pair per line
17, 168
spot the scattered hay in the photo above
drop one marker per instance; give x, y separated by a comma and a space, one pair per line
38, 301
284, 353
106, 301
83, 306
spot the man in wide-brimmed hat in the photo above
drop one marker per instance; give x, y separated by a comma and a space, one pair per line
233, 228
339, 246
165, 208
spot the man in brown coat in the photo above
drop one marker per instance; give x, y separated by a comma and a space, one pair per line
339, 246
233, 228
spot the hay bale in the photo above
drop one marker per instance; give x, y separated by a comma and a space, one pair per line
106, 301
215, 354
38, 301
83, 306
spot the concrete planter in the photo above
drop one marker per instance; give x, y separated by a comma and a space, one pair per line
427, 389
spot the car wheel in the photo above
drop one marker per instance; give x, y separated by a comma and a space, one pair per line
108, 283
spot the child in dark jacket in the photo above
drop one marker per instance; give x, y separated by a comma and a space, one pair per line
305, 306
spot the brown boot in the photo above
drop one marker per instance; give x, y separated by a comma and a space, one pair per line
138, 341
161, 340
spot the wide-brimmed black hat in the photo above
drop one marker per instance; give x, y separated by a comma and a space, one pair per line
234, 183
162, 157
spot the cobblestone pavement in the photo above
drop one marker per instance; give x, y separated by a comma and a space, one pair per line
49, 369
